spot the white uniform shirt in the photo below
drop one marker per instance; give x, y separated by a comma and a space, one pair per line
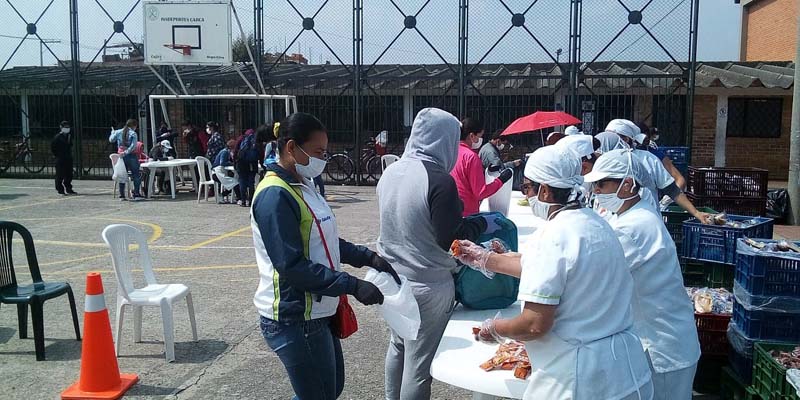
662, 312
652, 175
575, 262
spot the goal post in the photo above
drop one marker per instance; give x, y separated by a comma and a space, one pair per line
227, 109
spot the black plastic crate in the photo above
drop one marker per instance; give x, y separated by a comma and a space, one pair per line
727, 182
756, 207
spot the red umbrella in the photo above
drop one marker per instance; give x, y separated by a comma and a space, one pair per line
540, 120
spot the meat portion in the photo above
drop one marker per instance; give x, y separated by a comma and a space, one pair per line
510, 356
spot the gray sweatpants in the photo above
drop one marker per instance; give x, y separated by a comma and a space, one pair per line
408, 362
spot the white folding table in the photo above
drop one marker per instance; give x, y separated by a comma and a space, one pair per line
170, 166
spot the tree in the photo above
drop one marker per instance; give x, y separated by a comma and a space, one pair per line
240, 48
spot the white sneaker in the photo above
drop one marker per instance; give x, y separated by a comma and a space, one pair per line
239, 202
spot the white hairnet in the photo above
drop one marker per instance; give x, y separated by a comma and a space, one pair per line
623, 127
555, 167
579, 145
610, 141
572, 130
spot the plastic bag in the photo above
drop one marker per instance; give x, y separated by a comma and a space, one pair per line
120, 172
399, 308
501, 200
778, 205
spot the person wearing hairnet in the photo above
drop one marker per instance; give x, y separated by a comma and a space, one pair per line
654, 176
420, 216
572, 130
662, 314
584, 148
576, 319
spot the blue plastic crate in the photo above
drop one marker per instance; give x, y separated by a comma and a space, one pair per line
767, 273
741, 355
678, 155
766, 325
717, 243
683, 167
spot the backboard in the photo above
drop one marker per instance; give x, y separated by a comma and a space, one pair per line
187, 33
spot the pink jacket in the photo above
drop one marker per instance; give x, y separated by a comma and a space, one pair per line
470, 180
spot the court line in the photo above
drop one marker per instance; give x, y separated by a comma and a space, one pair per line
218, 238
165, 269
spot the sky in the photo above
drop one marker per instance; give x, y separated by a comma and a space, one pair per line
547, 21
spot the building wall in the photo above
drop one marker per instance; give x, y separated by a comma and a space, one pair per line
770, 154
769, 30
704, 132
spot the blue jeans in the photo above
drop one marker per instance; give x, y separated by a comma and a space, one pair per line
247, 184
132, 165
311, 355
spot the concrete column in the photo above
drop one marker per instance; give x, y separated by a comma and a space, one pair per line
23, 110
722, 129
408, 109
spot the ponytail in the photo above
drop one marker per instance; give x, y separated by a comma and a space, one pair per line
130, 124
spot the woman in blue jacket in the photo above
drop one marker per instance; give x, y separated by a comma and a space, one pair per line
299, 255
126, 140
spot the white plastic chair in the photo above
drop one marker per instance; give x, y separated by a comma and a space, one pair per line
227, 182
118, 238
203, 166
388, 160
129, 187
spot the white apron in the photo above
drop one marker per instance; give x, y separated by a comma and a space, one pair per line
501, 200
610, 368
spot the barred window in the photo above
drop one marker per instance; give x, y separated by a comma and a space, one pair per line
755, 117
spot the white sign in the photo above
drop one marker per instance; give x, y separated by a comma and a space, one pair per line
187, 33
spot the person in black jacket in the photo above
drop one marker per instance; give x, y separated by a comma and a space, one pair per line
61, 147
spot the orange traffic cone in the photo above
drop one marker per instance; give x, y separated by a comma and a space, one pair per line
100, 377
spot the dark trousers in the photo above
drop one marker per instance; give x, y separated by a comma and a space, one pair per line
247, 183
64, 175
311, 355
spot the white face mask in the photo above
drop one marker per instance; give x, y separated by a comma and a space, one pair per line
313, 169
477, 145
208, 131
65, 130
501, 146
611, 201
654, 138
540, 208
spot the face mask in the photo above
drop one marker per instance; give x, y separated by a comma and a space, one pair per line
654, 138
540, 208
477, 145
65, 130
501, 146
208, 131
611, 201
313, 169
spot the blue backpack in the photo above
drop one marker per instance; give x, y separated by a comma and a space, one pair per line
248, 153
476, 291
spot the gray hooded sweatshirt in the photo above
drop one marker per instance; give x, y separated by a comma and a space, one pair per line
420, 209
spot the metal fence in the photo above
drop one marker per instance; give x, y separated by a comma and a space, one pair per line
372, 66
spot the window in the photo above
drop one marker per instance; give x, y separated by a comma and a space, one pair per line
755, 117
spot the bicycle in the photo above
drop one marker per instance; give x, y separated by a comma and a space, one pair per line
341, 168
22, 152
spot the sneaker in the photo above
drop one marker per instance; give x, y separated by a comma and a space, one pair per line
62, 193
122, 198
244, 204
72, 193
137, 198
239, 202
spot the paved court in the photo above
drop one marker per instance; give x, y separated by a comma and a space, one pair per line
205, 246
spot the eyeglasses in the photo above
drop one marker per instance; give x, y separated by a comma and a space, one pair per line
526, 187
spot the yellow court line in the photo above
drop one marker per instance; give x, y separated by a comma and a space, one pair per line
217, 238
156, 229
73, 260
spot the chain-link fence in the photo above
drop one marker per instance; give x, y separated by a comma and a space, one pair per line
361, 67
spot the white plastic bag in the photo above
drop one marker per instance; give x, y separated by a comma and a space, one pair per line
501, 200
120, 173
399, 308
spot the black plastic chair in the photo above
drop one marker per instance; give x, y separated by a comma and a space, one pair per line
34, 295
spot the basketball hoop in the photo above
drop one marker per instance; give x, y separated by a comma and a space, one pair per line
184, 49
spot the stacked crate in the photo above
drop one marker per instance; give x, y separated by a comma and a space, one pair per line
766, 316
740, 191
710, 255
679, 157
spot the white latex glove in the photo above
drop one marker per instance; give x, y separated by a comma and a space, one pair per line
474, 256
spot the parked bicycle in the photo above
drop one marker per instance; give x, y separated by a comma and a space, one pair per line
341, 167
22, 153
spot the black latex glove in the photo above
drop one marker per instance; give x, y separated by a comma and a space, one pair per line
495, 168
379, 264
506, 175
367, 293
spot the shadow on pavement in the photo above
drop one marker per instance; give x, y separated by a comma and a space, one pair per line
198, 352
12, 196
55, 349
6, 334
149, 390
